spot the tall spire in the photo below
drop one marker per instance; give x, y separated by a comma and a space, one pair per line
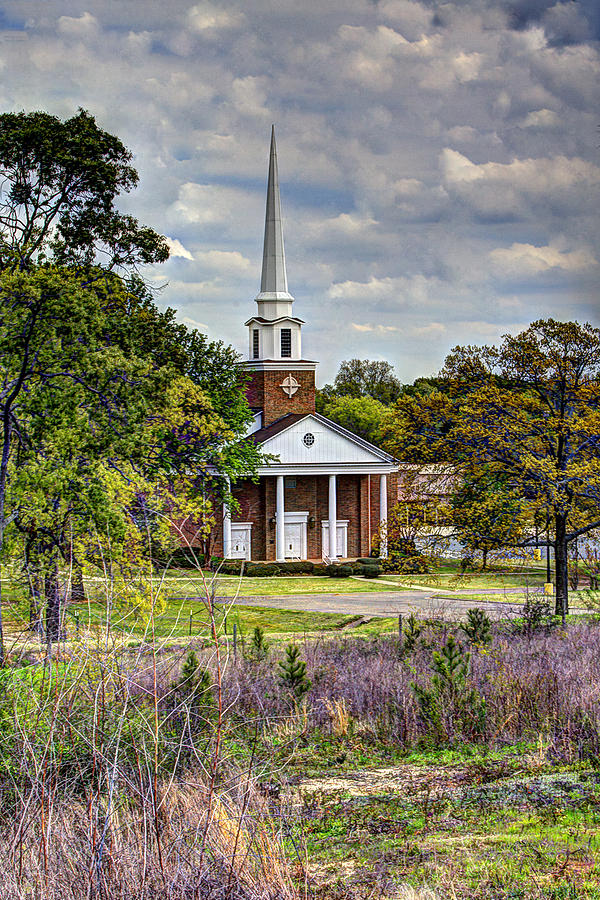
273, 283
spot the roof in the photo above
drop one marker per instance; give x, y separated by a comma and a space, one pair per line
269, 431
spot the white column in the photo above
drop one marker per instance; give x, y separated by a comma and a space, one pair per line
383, 514
226, 524
332, 518
280, 521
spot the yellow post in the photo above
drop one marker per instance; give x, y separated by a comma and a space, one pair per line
548, 589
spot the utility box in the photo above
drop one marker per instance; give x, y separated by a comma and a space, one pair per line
548, 589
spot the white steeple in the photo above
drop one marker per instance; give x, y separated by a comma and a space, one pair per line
274, 333
273, 282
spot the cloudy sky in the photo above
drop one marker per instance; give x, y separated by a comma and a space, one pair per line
439, 162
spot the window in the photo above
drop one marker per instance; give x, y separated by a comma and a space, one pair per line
308, 439
290, 483
255, 344
286, 342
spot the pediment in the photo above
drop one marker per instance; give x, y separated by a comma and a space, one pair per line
313, 439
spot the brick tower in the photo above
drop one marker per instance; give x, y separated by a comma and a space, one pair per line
281, 380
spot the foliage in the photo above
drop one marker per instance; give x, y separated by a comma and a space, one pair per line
411, 632
526, 414
486, 514
537, 614
292, 672
337, 571
396, 564
450, 706
410, 523
363, 416
362, 378
478, 627
260, 647
261, 570
60, 181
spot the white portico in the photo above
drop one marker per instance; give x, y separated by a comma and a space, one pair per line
325, 490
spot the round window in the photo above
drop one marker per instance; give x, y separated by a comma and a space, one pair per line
308, 439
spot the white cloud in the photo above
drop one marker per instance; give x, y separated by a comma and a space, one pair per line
83, 26
176, 248
529, 259
206, 16
229, 263
541, 118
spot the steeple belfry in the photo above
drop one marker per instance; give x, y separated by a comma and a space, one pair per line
282, 381
273, 283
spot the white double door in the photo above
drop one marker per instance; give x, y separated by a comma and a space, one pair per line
341, 538
295, 536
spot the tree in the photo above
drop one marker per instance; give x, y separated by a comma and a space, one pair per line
365, 378
485, 514
60, 181
526, 413
361, 415
94, 380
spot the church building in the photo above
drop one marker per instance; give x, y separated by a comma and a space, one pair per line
326, 490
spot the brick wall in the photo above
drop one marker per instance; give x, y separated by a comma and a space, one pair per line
264, 391
311, 494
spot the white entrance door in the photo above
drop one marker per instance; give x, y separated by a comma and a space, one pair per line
295, 535
341, 538
241, 536
293, 540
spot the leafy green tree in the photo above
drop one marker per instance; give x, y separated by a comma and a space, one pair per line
526, 413
485, 514
361, 415
101, 403
60, 181
364, 378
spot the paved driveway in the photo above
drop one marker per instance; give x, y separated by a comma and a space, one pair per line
386, 603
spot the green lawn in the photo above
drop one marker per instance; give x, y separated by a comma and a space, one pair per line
228, 585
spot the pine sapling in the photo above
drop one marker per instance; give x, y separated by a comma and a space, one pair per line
260, 647
292, 672
478, 627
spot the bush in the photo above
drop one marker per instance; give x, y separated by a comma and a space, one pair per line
406, 565
340, 571
292, 672
230, 566
262, 570
367, 570
478, 626
320, 569
296, 567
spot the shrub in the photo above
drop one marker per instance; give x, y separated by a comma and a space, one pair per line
320, 569
405, 565
292, 672
230, 566
537, 614
340, 571
296, 567
478, 627
262, 570
259, 646
450, 703
411, 633
367, 570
